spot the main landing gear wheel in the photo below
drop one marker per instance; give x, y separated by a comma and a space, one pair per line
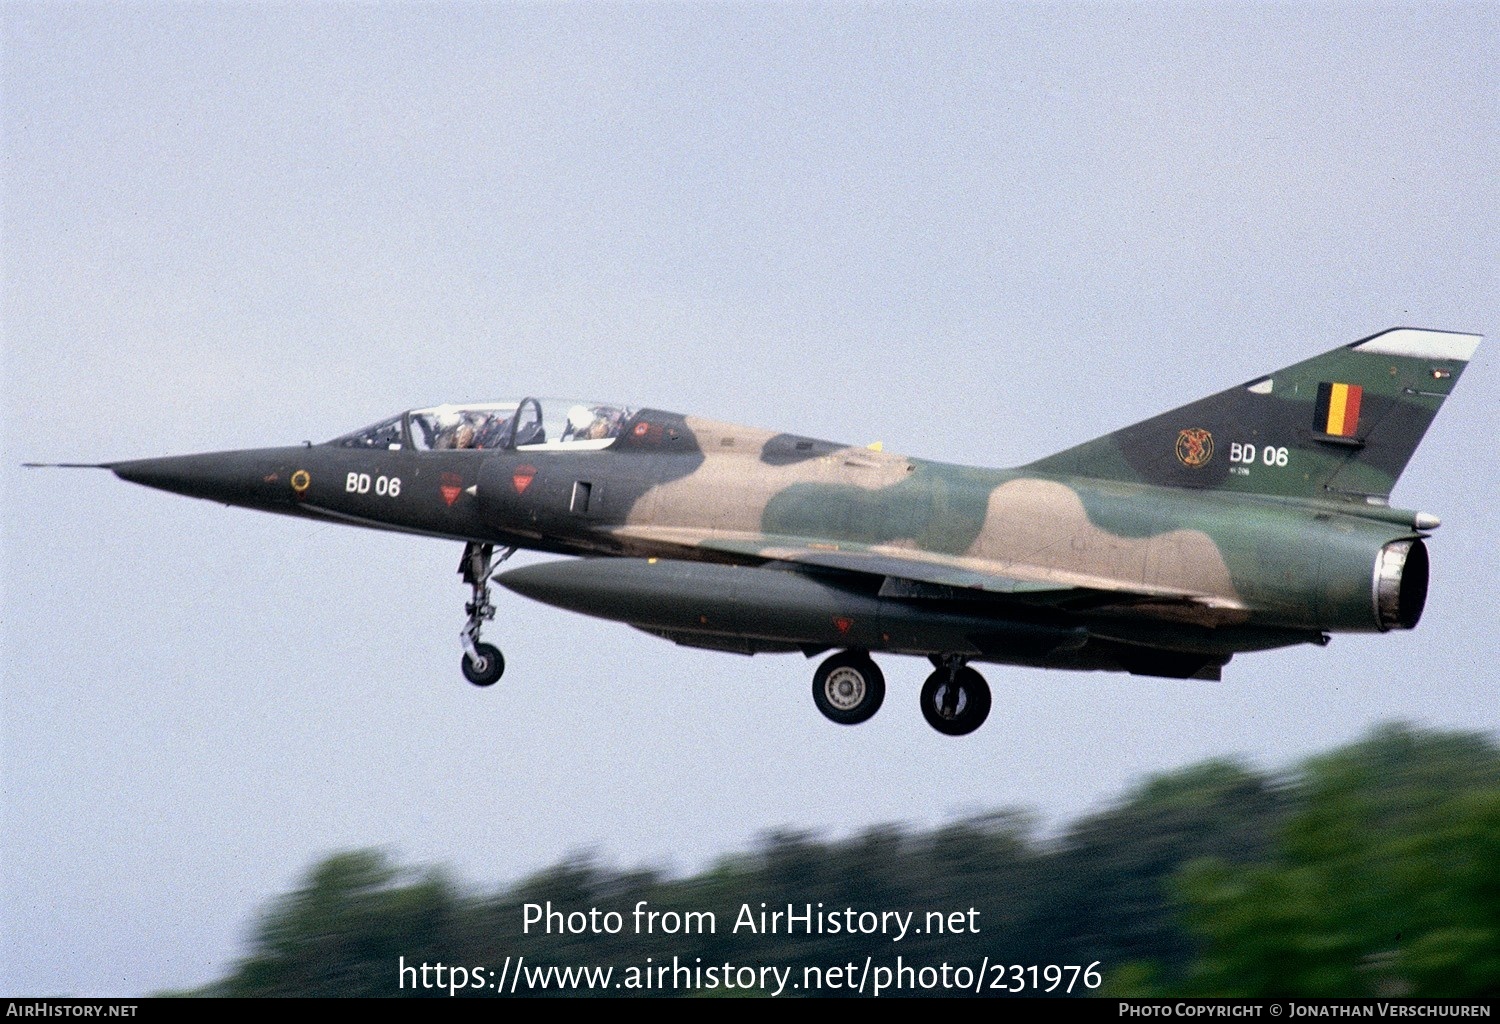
485, 666
955, 700
848, 688
483, 663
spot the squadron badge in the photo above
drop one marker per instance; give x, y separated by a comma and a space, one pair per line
1195, 446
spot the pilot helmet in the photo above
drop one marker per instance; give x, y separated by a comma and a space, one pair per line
580, 417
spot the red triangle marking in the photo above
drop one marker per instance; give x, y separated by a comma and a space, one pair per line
450, 494
522, 478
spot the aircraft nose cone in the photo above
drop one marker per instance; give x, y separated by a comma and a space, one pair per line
234, 478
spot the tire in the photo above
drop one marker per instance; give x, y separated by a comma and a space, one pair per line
490, 668
848, 688
972, 706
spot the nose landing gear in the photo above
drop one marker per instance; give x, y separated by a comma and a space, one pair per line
483, 664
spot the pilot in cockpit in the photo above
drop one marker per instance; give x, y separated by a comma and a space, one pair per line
591, 424
491, 431
580, 417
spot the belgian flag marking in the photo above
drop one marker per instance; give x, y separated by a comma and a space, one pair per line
1338, 409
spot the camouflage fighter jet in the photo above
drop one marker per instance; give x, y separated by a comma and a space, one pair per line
1256, 518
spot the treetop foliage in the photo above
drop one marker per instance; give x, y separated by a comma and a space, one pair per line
1371, 870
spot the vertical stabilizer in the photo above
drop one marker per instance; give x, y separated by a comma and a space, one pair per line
1342, 425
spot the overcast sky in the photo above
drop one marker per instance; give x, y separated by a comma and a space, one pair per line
975, 233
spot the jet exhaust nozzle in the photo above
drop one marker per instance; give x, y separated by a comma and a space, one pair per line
1400, 589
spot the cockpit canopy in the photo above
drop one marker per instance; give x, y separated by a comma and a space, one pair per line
530, 424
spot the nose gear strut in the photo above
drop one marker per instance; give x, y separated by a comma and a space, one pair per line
483, 664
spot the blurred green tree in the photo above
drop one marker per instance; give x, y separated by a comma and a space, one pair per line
1386, 880
343, 930
1372, 870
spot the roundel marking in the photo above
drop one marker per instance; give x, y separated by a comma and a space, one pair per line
301, 481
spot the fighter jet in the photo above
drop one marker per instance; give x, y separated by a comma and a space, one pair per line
1256, 518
